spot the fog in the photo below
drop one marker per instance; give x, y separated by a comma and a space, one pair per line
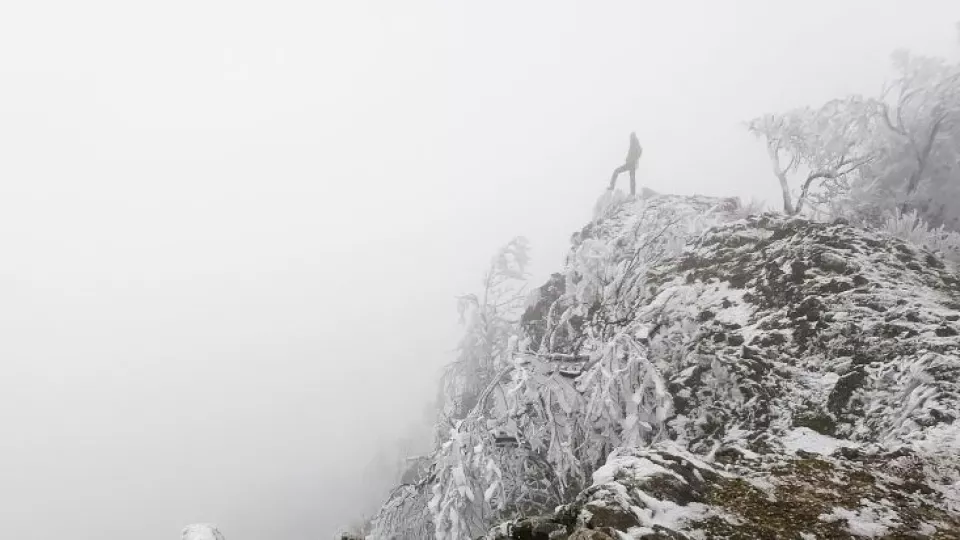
232, 232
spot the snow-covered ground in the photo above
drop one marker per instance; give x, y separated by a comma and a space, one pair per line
791, 379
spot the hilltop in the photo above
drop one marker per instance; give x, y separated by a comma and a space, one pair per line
696, 372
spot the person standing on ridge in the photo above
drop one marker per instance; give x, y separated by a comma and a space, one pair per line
633, 156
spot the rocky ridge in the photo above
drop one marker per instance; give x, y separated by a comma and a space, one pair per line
814, 371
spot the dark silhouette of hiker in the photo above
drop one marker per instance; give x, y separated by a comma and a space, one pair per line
630, 165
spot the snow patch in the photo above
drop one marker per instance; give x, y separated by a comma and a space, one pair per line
871, 520
808, 440
668, 513
765, 486
201, 531
637, 467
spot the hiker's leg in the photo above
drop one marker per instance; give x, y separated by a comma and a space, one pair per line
613, 178
616, 172
633, 181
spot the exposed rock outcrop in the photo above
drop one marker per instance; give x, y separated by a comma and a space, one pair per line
815, 374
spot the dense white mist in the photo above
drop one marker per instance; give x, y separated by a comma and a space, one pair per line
232, 231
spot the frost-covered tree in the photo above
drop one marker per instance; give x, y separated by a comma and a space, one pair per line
449, 492
489, 320
921, 113
900, 150
825, 145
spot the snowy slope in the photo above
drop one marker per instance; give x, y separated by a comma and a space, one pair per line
714, 375
815, 380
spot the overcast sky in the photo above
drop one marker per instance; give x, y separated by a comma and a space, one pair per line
231, 232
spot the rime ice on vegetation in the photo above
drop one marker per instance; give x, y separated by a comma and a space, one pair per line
696, 372
201, 531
